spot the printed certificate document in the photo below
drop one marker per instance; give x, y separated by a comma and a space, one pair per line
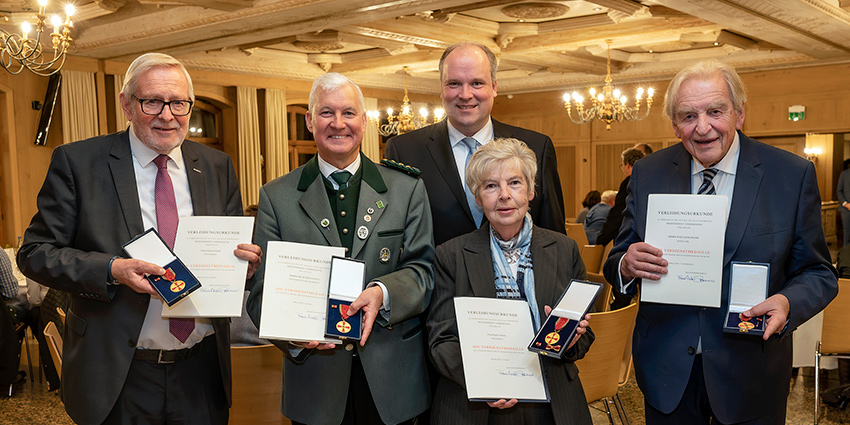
690, 230
295, 292
494, 335
206, 244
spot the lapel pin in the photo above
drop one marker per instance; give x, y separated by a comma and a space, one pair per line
370, 210
385, 254
325, 222
362, 232
367, 218
197, 170
380, 204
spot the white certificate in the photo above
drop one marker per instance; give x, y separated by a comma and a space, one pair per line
690, 231
494, 335
295, 292
205, 245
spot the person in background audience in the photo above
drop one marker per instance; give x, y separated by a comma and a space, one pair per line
592, 198
380, 215
690, 371
441, 151
596, 216
509, 258
843, 193
122, 362
643, 147
615, 215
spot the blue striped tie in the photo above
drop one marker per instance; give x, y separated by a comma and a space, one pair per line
472, 145
707, 187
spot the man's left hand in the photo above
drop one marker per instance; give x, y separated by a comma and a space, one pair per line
777, 309
370, 301
250, 253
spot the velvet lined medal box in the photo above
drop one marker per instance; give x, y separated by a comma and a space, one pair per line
747, 287
177, 282
347, 277
558, 330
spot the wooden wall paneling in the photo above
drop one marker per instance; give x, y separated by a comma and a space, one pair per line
9, 194
568, 171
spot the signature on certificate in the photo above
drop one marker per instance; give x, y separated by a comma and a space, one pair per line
692, 278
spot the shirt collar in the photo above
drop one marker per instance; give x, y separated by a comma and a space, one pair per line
483, 136
729, 163
145, 155
327, 169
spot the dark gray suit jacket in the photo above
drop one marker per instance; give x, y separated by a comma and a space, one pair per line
428, 150
775, 218
87, 208
464, 268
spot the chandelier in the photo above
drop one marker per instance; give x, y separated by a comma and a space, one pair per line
22, 51
608, 106
404, 121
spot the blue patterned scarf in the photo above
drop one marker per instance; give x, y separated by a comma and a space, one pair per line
516, 250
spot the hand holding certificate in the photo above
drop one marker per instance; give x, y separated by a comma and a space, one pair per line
494, 334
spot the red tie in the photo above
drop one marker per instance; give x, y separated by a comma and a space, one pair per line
166, 225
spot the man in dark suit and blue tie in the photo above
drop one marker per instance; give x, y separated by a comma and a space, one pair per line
122, 362
689, 370
441, 151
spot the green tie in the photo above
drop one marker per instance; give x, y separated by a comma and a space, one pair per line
341, 178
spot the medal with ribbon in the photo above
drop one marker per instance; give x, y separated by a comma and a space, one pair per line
553, 337
342, 325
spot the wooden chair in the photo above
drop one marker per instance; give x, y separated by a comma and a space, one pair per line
600, 368
54, 345
576, 232
61, 314
605, 252
603, 301
591, 255
834, 341
257, 385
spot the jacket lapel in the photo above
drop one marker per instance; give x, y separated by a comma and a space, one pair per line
124, 177
441, 152
479, 263
197, 186
747, 181
371, 188
543, 260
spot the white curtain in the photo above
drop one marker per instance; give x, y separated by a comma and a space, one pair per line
248, 129
371, 145
277, 135
121, 122
79, 106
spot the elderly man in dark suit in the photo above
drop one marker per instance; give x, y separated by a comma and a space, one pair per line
441, 151
380, 215
689, 370
123, 363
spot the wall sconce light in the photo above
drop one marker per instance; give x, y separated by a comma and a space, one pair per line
812, 153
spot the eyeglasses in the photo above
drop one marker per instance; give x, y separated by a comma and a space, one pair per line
178, 108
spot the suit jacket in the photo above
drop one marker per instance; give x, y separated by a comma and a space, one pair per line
87, 208
843, 190
315, 383
464, 268
428, 149
774, 218
615, 215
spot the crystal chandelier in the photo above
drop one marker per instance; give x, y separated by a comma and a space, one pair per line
22, 51
608, 106
405, 120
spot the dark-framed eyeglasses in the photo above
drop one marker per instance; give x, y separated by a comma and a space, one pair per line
178, 108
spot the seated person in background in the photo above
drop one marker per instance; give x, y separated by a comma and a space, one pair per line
496, 261
615, 214
643, 147
592, 198
597, 215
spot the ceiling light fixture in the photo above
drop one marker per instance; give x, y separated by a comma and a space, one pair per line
406, 120
20, 51
609, 105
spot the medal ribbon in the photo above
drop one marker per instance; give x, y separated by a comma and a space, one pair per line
343, 311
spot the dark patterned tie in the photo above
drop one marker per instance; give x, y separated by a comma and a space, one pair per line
471, 145
341, 178
166, 225
707, 187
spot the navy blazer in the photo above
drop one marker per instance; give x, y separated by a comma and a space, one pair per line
428, 149
775, 218
87, 208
